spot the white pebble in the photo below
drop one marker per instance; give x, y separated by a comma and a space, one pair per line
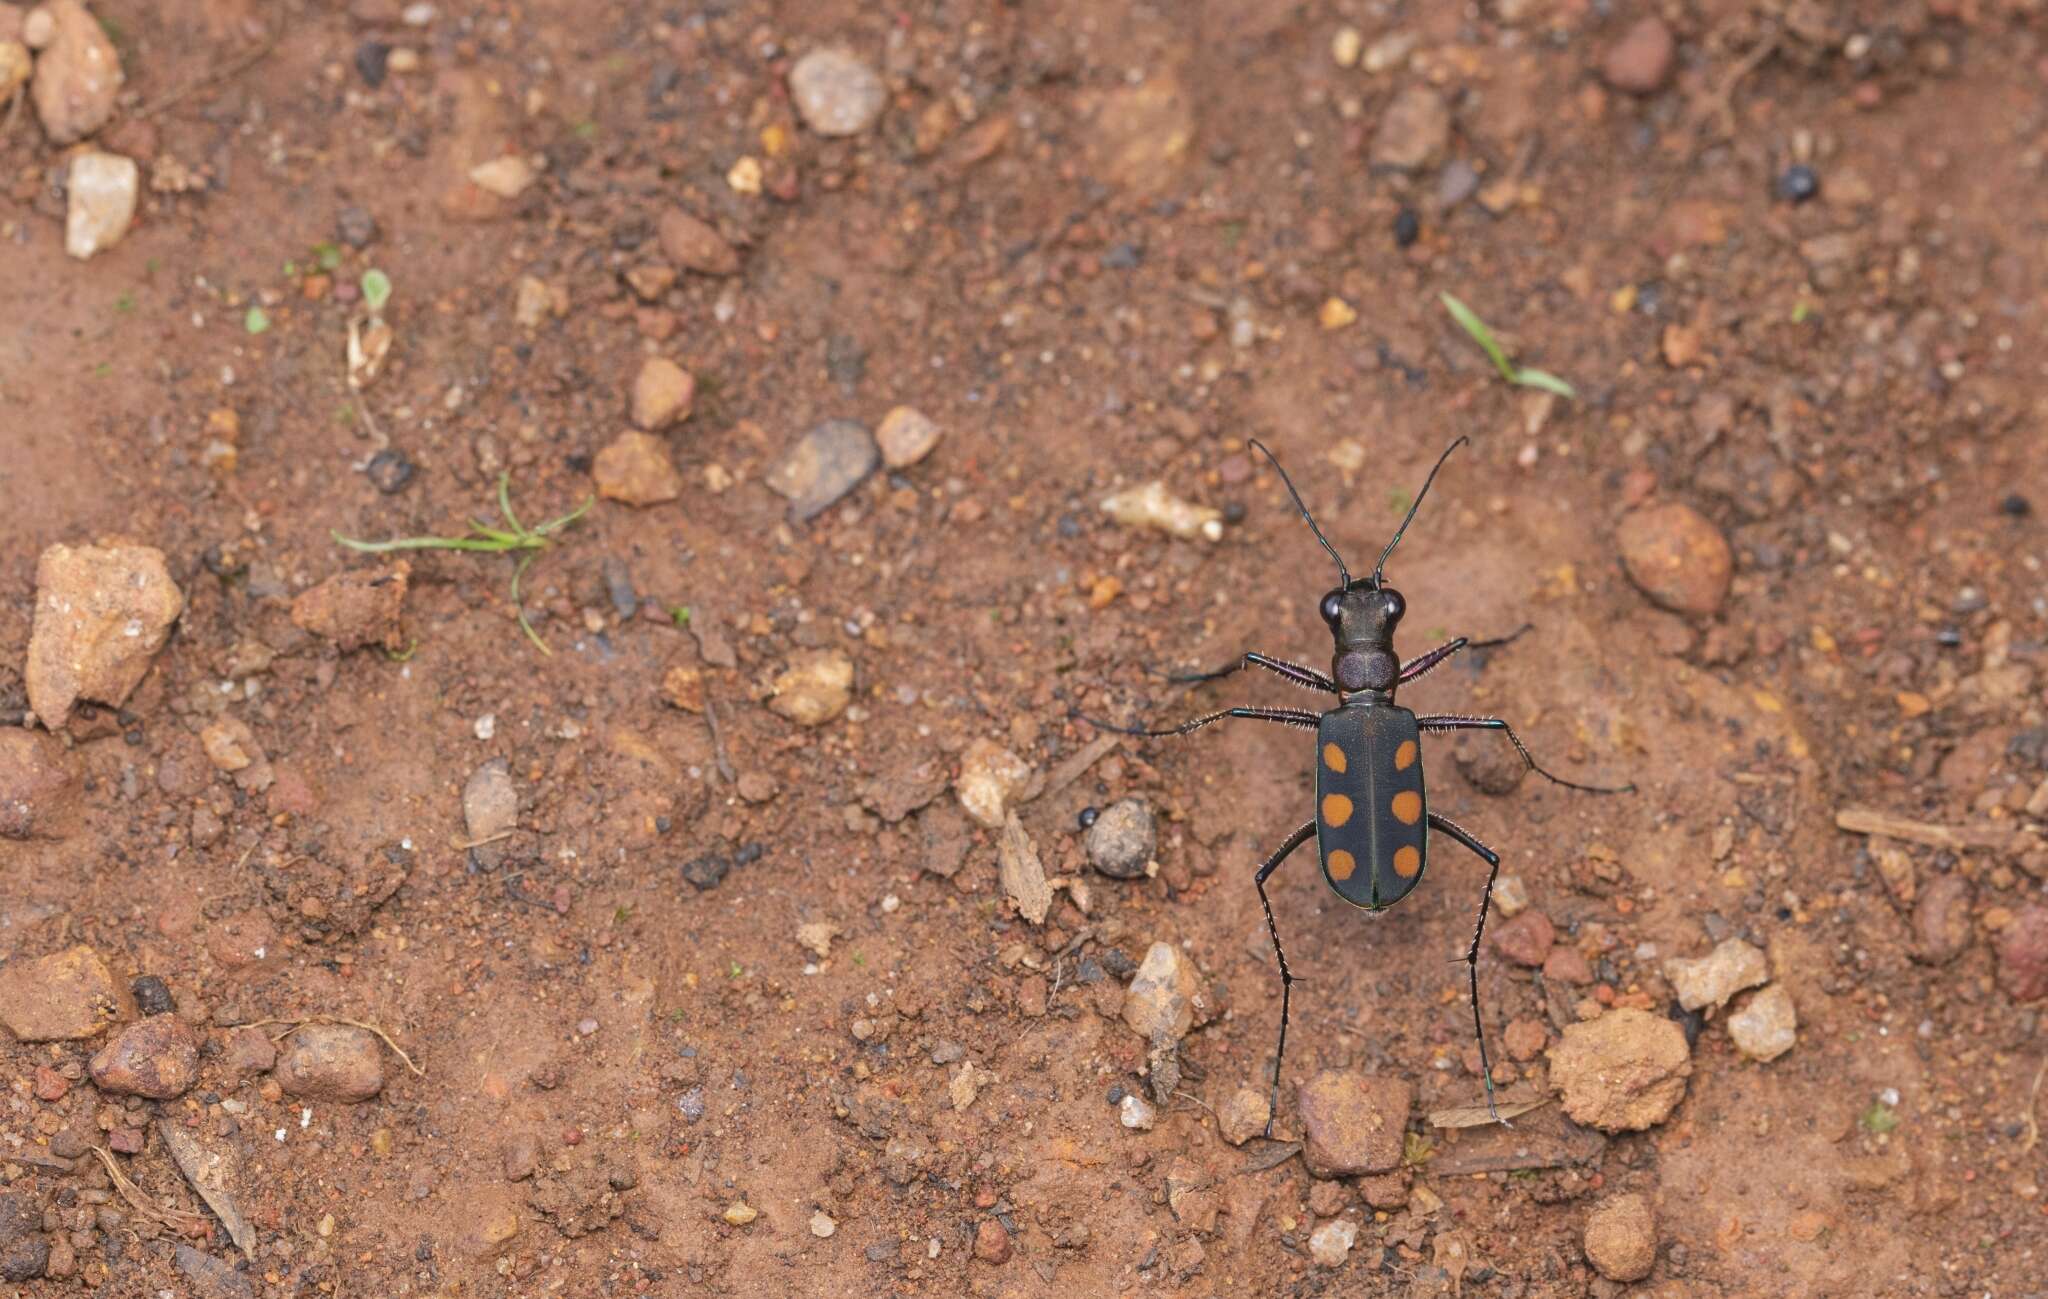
486, 726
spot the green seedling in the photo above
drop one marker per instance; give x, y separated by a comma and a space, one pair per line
498, 541
1469, 321
376, 290
257, 321
1879, 1119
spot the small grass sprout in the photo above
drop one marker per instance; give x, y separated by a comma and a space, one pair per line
516, 536
1469, 321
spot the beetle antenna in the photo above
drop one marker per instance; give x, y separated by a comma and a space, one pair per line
1381, 567
1343, 573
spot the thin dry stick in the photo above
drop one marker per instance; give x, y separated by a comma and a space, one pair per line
141, 1203
232, 68
718, 753
294, 1025
464, 845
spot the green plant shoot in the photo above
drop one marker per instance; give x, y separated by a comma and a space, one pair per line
516, 536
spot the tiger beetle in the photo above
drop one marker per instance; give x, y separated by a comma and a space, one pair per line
1371, 817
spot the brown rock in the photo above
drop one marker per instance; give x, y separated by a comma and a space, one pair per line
36, 784
102, 612
77, 75
1526, 1038
1623, 1072
991, 1242
332, 1062
1413, 132
1525, 940
250, 1051
636, 469
1567, 965
1640, 62
1243, 1115
521, 1156
1677, 556
1353, 1122
157, 1058
1941, 920
662, 393
1621, 1238
357, 608
1385, 1191
232, 748
817, 687
1139, 137
60, 998
695, 246
2023, 955
823, 466
1160, 1004
905, 436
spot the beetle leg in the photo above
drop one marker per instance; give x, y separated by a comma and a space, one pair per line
1458, 722
1420, 667
1492, 860
1267, 867
1285, 716
1293, 673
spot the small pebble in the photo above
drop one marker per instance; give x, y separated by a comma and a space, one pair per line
1767, 1027
1352, 1122
1798, 183
1123, 838
1136, 1113
1711, 980
1159, 1006
101, 191
1330, 1244
836, 92
1621, 1238
1407, 227
1622, 1072
1243, 1115
822, 466
905, 437
1640, 62
1676, 556
356, 227
822, 1225
389, 471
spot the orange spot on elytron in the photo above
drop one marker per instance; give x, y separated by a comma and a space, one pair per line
1407, 807
1336, 809
1404, 757
1342, 864
1407, 861
1333, 758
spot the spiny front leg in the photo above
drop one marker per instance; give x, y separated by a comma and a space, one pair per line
1285, 716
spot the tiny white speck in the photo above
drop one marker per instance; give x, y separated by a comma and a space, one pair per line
306, 1117
261, 952
406, 843
486, 726
280, 1134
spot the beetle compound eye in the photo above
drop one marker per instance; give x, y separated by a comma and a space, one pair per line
1396, 606
1333, 607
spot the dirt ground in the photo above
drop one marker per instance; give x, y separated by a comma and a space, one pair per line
742, 1005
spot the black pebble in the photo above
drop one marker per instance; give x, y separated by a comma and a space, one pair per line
372, 58
1407, 227
389, 471
2016, 506
151, 996
1088, 815
1798, 183
356, 227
